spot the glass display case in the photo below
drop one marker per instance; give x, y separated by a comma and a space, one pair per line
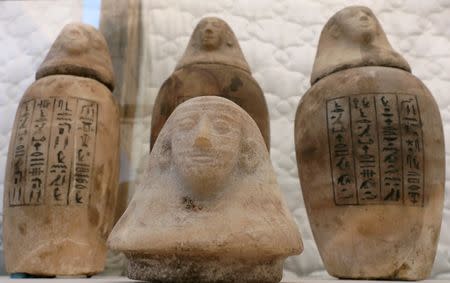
279, 40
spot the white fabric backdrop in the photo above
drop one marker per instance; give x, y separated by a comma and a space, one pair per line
278, 38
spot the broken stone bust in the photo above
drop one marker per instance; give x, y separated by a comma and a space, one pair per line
62, 168
213, 64
370, 154
208, 208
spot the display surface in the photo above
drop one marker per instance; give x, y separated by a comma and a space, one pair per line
124, 279
371, 164
209, 208
63, 162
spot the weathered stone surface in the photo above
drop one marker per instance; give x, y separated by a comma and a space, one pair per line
62, 175
208, 208
370, 154
213, 64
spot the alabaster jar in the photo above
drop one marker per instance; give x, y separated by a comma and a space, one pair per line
370, 154
62, 168
208, 208
213, 64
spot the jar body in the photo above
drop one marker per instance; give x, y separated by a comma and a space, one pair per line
211, 80
370, 153
61, 181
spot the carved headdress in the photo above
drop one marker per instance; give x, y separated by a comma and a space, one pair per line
79, 50
353, 37
213, 42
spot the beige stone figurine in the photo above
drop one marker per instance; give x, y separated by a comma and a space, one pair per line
370, 152
213, 64
62, 168
209, 208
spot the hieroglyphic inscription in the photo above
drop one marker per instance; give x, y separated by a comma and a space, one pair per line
390, 148
365, 148
340, 142
412, 145
61, 150
19, 155
86, 129
38, 152
376, 149
53, 153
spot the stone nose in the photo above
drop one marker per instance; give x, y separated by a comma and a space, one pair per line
202, 142
202, 139
363, 16
208, 29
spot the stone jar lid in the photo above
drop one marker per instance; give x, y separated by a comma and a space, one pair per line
213, 42
353, 37
79, 50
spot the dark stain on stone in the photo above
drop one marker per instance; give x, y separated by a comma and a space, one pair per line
394, 275
235, 84
93, 215
190, 204
310, 151
47, 220
23, 229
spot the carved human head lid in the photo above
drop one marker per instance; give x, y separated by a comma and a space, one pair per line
209, 188
79, 50
353, 37
213, 42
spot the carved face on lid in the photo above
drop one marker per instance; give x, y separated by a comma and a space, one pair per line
358, 24
211, 30
213, 42
74, 40
351, 38
205, 146
79, 50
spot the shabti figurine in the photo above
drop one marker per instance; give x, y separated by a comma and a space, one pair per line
62, 170
370, 154
213, 64
209, 208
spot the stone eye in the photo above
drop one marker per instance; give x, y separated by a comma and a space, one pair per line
221, 126
186, 124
